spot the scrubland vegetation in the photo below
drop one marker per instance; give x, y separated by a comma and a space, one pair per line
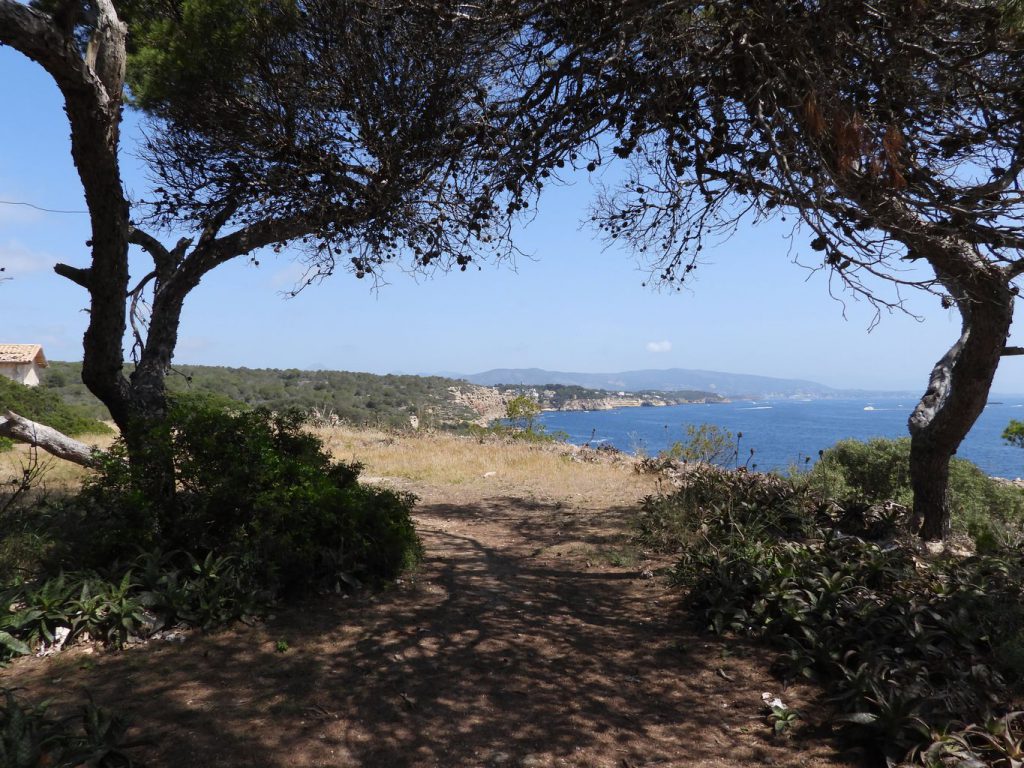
919, 652
262, 512
352, 398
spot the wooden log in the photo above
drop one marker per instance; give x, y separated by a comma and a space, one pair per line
23, 430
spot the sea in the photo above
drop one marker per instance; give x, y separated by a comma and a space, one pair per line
787, 433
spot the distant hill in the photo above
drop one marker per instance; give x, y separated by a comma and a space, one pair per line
672, 379
356, 398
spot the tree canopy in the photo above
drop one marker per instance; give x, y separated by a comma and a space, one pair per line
892, 133
365, 130
357, 130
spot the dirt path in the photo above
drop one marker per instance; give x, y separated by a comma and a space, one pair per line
513, 645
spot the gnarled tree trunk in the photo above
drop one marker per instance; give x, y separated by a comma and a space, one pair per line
92, 86
959, 385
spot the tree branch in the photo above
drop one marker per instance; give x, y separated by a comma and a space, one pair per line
1014, 269
78, 275
213, 227
163, 259
217, 251
34, 34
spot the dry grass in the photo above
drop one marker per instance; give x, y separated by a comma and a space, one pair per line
55, 474
490, 467
465, 465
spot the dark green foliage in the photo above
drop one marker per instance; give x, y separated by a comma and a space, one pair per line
254, 485
990, 511
153, 592
46, 407
1014, 433
768, 502
911, 650
352, 398
181, 48
78, 602
31, 738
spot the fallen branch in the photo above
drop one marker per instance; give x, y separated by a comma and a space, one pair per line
23, 430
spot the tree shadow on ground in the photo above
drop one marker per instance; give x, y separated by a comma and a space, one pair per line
489, 655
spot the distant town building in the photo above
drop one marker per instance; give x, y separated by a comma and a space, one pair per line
21, 362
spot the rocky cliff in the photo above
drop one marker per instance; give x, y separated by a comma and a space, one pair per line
487, 402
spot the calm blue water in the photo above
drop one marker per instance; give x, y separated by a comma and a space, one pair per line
784, 432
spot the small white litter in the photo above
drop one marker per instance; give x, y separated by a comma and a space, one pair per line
60, 636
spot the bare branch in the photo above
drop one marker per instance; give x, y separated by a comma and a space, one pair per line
79, 275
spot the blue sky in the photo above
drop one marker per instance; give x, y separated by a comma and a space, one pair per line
571, 306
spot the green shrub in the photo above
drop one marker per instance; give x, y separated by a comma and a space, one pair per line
521, 412
261, 510
39, 404
705, 443
536, 434
991, 512
670, 523
253, 485
913, 652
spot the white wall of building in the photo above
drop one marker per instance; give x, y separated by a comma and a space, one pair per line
23, 373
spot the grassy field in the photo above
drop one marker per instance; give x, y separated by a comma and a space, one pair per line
54, 474
472, 467
467, 466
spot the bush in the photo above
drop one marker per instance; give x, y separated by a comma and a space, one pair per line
261, 511
707, 444
254, 485
667, 523
916, 655
990, 511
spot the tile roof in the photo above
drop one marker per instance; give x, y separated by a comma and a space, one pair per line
22, 353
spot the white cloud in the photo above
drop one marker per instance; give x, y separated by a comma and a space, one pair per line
659, 346
17, 259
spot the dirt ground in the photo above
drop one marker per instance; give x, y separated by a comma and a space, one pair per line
530, 637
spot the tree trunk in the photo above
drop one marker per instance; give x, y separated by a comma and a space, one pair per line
929, 476
957, 392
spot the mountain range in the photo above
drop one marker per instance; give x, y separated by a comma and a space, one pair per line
667, 380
